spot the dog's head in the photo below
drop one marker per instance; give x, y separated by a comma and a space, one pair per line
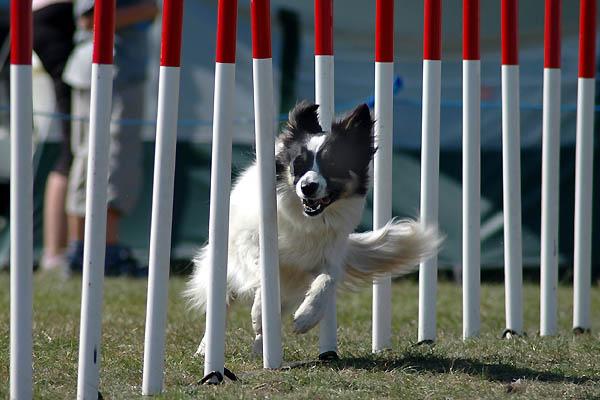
324, 167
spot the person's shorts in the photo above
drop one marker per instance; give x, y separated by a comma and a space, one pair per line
125, 154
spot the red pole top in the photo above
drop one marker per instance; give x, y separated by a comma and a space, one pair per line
172, 24
552, 34
104, 31
432, 30
384, 31
21, 32
226, 31
323, 27
471, 30
510, 32
261, 28
587, 38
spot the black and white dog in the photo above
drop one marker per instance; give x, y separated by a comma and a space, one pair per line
322, 183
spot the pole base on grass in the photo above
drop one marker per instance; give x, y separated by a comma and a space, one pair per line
581, 331
216, 378
509, 334
213, 378
428, 342
329, 356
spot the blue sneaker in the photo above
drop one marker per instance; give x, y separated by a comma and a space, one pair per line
74, 258
120, 261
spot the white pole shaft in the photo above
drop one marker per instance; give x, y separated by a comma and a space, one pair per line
584, 161
550, 198
324, 97
511, 165
324, 90
382, 197
21, 232
471, 197
95, 232
269, 253
160, 230
430, 175
220, 182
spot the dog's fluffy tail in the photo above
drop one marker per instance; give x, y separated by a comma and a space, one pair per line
394, 249
196, 290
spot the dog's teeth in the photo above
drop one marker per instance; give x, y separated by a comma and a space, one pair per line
315, 206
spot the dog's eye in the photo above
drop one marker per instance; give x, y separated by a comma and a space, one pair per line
301, 164
332, 168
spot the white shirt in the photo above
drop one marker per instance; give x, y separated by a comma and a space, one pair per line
39, 4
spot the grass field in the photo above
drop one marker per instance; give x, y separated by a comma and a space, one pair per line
486, 367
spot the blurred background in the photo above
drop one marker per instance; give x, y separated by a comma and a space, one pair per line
354, 20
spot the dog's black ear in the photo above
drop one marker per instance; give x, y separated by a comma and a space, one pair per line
357, 128
357, 121
303, 118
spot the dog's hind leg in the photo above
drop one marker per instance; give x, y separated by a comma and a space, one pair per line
257, 324
312, 309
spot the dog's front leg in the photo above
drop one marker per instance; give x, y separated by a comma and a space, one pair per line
201, 351
312, 309
257, 324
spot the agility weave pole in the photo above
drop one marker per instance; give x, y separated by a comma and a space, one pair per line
584, 169
162, 197
471, 165
382, 191
264, 125
511, 169
430, 161
550, 170
324, 97
96, 201
214, 362
21, 201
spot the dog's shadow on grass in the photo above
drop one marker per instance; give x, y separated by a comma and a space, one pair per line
416, 363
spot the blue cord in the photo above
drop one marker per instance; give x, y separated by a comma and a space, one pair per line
370, 101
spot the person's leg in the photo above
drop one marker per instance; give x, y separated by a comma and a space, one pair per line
55, 217
125, 156
55, 221
75, 228
112, 226
125, 174
124, 180
76, 186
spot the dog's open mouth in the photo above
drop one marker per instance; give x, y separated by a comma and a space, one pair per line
313, 207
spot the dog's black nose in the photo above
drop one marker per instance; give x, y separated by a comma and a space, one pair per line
309, 188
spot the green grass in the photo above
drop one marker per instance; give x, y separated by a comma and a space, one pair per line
549, 368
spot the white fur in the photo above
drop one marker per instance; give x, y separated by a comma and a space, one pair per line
314, 144
315, 253
313, 175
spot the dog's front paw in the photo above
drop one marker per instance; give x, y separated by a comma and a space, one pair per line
201, 351
305, 318
257, 346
